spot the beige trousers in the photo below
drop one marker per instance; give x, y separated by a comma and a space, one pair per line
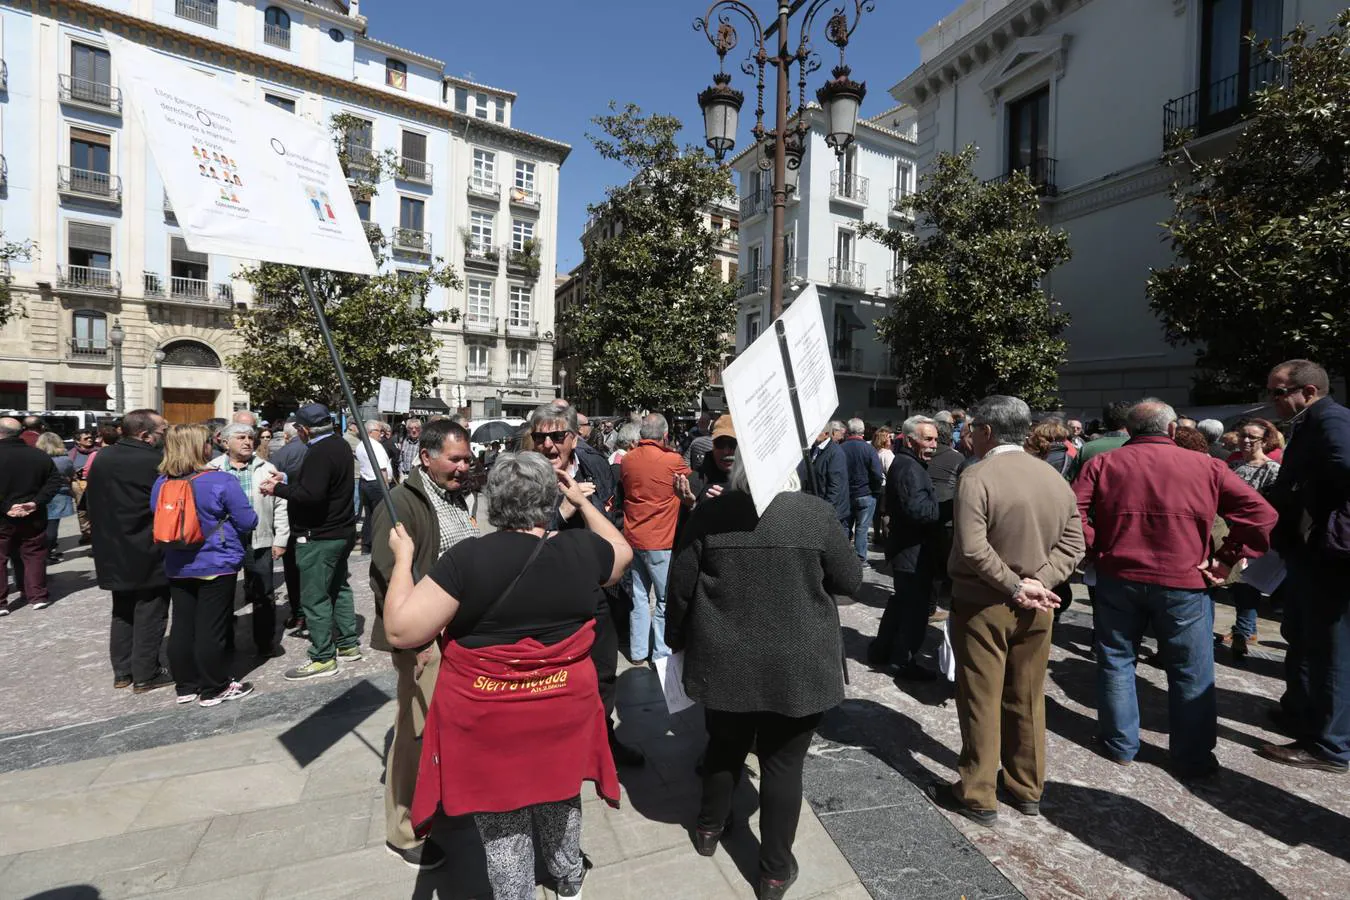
400, 771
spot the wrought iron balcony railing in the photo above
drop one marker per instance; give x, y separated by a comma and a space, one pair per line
847, 273
411, 240
756, 202
480, 324
88, 348
848, 359
484, 186
418, 170
97, 94
277, 36
1221, 104
203, 12
1040, 172
89, 278
847, 187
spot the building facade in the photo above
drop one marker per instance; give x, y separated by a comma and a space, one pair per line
1081, 96
855, 278
81, 184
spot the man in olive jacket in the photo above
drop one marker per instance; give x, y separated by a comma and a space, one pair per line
432, 507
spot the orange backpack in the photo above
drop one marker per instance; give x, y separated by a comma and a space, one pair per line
177, 526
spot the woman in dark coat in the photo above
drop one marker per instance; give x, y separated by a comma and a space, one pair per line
751, 603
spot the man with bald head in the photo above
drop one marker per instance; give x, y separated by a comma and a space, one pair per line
28, 479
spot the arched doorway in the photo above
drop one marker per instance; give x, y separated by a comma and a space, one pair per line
184, 404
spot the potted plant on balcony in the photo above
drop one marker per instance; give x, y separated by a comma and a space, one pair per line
526, 259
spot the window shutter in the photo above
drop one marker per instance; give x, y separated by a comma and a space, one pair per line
82, 62
180, 252
91, 238
414, 146
91, 137
102, 67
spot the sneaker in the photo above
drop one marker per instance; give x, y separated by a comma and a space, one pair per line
162, 679
424, 857
43, 605
121, 681
294, 622
234, 691
313, 669
186, 698
350, 654
4, 608
570, 889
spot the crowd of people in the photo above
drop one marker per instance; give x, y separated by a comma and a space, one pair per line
506, 639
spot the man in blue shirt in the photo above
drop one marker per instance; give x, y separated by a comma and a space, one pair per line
864, 483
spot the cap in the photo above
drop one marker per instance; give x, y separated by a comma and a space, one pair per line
312, 414
723, 428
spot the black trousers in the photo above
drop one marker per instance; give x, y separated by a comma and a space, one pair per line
370, 498
137, 631
202, 611
259, 591
780, 744
291, 569
605, 655
904, 624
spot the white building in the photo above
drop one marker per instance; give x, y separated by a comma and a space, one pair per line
856, 280
1079, 94
82, 186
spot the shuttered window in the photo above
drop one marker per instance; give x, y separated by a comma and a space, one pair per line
90, 64
414, 146
92, 238
179, 252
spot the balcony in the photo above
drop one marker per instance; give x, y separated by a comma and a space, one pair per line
521, 328
756, 203
525, 197
848, 188
753, 282
894, 281
88, 279
1040, 172
1221, 104
97, 95
94, 350
848, 359
518, 376
270, 300
225, 294
415, 170
524, 261
277, 36
411, 241
477, 324
482, 255
483, 186
900, 201
848, 274
154, 285
86, 184
358, 160
474, 375
203, 12
193, 289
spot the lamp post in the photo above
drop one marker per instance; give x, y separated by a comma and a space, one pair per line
783, 147
116, 337
562, 382
159, 381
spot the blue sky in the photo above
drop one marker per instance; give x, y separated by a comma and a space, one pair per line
566, 60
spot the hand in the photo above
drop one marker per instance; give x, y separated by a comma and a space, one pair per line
1034, 595
713, 490
684, 491
267, 487
422, 659
402, 545
19, 510
1214, 572
573, 492
278, 552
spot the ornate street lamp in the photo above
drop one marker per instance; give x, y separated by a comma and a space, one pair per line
781, 149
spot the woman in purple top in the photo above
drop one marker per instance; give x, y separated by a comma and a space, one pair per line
201, 580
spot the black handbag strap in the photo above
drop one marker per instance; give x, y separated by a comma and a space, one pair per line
487, 610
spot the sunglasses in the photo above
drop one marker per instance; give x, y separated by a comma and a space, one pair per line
1277, 393
556, 437
725, 443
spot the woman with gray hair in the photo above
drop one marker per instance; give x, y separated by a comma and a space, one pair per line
627, 437
751, 603
516, 721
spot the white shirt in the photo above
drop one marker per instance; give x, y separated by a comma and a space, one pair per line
381, 459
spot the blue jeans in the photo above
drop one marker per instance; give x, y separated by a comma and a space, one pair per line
1245, 599
863, 510
1318, 596
1183, 621
649, 570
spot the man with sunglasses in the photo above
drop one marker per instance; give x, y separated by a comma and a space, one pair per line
1312, 494
553, 433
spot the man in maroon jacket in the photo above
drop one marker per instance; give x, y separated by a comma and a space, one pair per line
1147, 510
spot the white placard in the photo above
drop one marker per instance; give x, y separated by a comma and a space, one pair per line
670, 669
403, 396
388, 397
245, 179
812, 363
766, 430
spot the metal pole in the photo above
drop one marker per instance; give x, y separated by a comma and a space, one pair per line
159, 386
802, 439
347, 392
121, 389
777, 257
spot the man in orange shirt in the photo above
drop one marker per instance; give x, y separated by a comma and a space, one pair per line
651, 509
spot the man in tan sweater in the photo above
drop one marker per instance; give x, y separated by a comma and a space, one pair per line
1016, 531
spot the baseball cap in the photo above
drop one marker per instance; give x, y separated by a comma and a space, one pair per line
312, 414
723, 428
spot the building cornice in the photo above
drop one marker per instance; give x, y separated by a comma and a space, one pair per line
464, 82
411, 55
512, 138
1114, 189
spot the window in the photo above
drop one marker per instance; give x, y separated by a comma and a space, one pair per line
522, 230
362, 208
187, 270
485, 170
89, 247
480, 105
756, 260
480, 231
903, 188
277, 27
90, 161
203, 12
789, 253
461, 100
415, 156
844, 248
90, 74
1230, 68
396, 74
90, 330
751, 328
525, 172
520, 364
1029, 133
518, 310
478, 359
500, 112
280, 102
480, 302
411, 213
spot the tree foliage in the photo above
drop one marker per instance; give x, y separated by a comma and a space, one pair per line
972, 318
656, 316
1262, 235
11, 251
380, 324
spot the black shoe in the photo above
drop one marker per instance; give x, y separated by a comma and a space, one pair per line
706, 840
121, 681
945, 797
301, 631
915, 672
773, 889
625, 755
424, 857
293, 622
162, 679
1025, 807
1299, 758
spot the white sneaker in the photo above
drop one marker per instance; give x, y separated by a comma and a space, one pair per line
235, 690
186, 698
42, 605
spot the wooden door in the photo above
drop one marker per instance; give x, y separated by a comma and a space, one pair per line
184, 406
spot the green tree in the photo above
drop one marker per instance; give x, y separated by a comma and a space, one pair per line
380, 324
972, 318
657, 315
11, 251
1262, 234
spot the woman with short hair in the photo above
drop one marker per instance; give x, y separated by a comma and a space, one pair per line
63, 504
1258, 438
516, 723
881, 441
751, 602
202, 578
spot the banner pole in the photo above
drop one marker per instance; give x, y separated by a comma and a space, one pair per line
802, 440
347, 392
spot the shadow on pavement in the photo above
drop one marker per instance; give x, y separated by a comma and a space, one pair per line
1276, 813
312, 736
890, 736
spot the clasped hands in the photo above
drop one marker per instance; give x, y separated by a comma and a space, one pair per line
1031, 594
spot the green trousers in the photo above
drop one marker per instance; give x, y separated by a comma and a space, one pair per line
325, 596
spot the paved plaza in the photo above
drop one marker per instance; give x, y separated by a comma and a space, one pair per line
106, 794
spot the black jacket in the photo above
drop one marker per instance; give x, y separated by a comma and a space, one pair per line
26, 475
912, 505
831, 479
750, 602
593, 467
120, 519
1312, 491
320, 502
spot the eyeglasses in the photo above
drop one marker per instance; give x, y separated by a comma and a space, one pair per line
1277, 393
1251, 437
556, 437
725, 443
